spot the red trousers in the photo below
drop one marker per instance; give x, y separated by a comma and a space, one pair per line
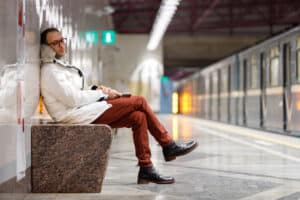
134, 112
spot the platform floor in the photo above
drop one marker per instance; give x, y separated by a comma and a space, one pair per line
230, 163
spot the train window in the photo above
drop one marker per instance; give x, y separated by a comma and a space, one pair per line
206, 84
298, 60
253, 73
215, 82
248, 74
242, 78
211, 84
263, 63
274, 67
287, 63
200, 84
224, 75
232, 78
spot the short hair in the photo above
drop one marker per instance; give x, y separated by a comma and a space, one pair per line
45, 32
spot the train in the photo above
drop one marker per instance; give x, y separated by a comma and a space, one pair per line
257, 87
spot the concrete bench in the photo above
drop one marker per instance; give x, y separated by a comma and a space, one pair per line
69, 158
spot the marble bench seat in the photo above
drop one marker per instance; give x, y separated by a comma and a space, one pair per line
69, 158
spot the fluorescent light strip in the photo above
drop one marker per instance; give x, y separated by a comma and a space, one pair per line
165, 14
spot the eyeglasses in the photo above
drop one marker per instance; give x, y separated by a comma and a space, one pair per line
57, 42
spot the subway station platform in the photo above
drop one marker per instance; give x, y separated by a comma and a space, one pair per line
230, 163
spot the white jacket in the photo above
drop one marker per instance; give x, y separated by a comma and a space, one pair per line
63, 97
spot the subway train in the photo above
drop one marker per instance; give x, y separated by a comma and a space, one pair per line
257, 87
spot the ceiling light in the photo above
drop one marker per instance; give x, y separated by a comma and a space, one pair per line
163, 18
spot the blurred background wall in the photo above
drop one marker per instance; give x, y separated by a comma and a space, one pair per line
21, 23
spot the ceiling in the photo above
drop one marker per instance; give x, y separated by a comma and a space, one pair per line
260, 18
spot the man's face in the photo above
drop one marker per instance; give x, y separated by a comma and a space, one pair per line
57, 43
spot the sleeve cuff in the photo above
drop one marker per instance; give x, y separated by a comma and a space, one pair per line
103, 98
94, 87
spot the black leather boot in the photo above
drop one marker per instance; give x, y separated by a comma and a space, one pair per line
173, 150
149, 174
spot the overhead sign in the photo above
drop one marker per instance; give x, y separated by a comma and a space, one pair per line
164, 79
108, 37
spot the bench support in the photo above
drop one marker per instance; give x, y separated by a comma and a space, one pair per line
69, 158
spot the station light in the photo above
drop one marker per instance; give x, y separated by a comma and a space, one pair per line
163, 18
185, 100
175, 103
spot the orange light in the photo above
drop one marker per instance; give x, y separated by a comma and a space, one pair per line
41, 105
298, 105
185, 103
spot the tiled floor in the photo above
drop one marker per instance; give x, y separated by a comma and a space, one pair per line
230, 163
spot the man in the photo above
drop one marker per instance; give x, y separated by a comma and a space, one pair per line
67, 101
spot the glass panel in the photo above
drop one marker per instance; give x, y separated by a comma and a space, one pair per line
287, 63
241, 75
254, 74
298, 65
215, 82
207, 85
224, 75
200, 84
298, 43
232, 78
249, 73
274, 71
263, 65
298, 60
274, 68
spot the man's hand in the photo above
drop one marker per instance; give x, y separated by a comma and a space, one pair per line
112, 94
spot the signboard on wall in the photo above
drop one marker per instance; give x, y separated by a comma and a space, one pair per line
91, 36
108, 37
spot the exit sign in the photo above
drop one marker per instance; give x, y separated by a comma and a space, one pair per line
91, 36
108, 37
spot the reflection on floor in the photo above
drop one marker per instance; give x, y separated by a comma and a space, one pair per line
230, 163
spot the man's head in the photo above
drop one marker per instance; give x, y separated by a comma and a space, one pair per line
53, 38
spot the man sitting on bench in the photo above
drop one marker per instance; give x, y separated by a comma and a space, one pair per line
68, 101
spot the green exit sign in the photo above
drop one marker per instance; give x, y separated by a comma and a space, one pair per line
164, 79
91, 36
108, 37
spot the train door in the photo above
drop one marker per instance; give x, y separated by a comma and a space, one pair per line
263, 86
245, 79
218, 95
233, 103
287, 100
223, 95
206, 96
274, 91
234, 92
240, 92
229, 92
253, 92
215, 114
210, 99
200, 93
295, 88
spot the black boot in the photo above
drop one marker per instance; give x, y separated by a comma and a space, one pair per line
149, 174
173, 150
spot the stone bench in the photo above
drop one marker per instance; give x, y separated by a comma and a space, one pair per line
69, 158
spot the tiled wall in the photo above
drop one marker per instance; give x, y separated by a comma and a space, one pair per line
20, 66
